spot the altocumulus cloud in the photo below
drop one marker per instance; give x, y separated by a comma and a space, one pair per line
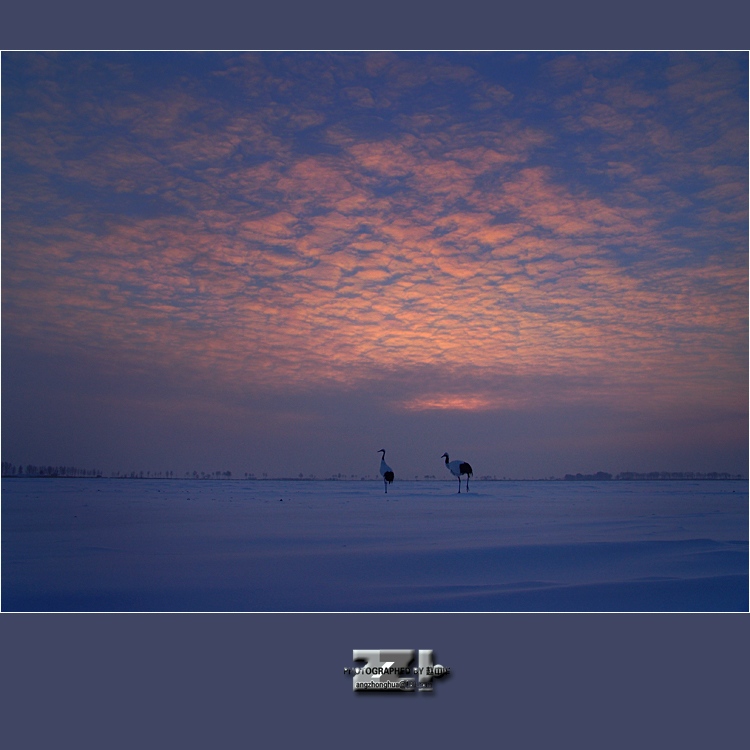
473, 232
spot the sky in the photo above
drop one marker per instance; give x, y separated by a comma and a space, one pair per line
279, 263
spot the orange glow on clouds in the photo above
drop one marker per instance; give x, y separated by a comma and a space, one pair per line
440, 244
455, 402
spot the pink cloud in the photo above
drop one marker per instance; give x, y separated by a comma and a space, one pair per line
311, 268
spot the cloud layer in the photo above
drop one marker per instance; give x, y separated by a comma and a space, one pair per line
479, 232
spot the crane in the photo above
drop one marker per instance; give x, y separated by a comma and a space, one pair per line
385, 471
458, 468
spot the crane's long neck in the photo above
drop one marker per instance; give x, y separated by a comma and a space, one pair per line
446, 459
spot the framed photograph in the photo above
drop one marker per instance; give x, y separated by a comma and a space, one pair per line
417, 369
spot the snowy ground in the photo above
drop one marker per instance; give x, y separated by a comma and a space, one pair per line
157, 545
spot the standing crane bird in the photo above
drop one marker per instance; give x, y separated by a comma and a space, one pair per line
385, 471
457, 468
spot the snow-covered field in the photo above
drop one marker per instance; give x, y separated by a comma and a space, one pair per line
172, 545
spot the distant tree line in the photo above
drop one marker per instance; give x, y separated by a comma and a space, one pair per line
653, 475
30, 470
597, 476
142, 475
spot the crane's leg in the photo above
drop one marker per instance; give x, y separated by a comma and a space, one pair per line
385, 484
467, 482
459, 484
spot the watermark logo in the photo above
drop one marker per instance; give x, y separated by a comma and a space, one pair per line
392, 670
